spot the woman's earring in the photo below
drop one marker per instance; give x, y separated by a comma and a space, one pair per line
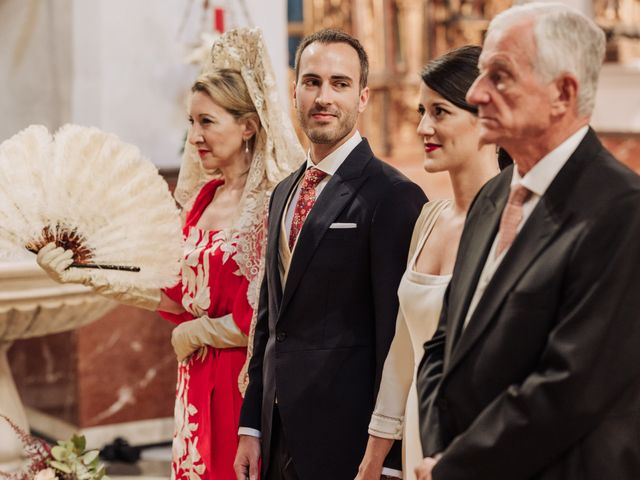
246, 146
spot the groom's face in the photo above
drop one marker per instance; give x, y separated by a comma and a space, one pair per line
327, 92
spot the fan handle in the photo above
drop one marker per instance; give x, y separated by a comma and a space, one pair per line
122, 268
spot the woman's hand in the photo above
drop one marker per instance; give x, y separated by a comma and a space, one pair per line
55, 261
369, 471
425, 467
371, 466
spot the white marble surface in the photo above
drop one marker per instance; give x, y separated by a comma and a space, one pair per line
32, 305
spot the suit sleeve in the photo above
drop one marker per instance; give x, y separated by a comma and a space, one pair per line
590, 360
431, 368
428, 378
391, 229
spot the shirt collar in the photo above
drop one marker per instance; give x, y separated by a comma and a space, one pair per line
332, 162
538, 179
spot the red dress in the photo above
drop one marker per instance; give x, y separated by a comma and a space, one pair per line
208, 400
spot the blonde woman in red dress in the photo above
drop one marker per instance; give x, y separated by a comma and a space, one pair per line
240, 144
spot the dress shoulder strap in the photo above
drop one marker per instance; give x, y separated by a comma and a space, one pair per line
427, 219
432, 211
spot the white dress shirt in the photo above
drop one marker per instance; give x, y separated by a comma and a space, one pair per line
537, 180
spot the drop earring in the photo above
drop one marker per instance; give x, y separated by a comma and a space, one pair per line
246, 146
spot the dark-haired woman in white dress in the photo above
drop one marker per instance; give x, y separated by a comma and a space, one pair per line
450, 130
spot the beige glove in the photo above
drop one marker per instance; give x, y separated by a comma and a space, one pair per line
145, 298
55, 261
221, 332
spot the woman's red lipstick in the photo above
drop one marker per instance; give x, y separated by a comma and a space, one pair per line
430, 147
202, 153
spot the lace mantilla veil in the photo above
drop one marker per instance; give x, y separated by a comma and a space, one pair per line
276, 153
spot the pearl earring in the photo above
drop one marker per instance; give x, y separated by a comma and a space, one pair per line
246, 146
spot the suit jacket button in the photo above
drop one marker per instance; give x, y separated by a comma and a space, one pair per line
281, 336
443, 404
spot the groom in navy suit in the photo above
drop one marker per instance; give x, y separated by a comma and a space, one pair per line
339, 233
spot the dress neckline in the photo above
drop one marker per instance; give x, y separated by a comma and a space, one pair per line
427, 279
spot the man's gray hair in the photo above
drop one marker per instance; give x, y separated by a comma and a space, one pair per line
566, 42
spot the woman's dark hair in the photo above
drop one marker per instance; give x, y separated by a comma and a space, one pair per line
452, 74
504, 159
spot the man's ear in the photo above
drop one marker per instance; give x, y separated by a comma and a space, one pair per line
364, 99
565, 94
294, 94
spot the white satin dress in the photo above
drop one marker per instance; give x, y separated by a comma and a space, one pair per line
421, 295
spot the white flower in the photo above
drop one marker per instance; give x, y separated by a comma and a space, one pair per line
46, 474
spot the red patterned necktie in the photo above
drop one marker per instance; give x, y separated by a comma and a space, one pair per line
511, 217
312, 177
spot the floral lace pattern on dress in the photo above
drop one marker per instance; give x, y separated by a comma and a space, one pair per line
196, 299
196, 296
186, 457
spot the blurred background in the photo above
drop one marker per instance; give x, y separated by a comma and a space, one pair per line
126, 66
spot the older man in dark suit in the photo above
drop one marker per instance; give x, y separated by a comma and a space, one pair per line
534, 372
339, 232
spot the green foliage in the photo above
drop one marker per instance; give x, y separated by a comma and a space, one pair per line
71, 458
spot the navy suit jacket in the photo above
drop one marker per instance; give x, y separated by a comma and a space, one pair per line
321, 339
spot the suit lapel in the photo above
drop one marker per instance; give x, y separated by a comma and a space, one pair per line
280, 197
337, 194
532, 239
553, 210
472, 255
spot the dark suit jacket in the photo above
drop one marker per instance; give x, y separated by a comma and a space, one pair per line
544, 381
321, 341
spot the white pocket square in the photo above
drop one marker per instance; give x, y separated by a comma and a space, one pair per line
344, 225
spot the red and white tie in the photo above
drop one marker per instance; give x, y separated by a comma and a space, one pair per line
511, 217
312, 177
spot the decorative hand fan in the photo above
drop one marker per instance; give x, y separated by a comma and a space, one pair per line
89, 192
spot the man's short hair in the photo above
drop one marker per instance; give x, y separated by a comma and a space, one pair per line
328, 36
566, 41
